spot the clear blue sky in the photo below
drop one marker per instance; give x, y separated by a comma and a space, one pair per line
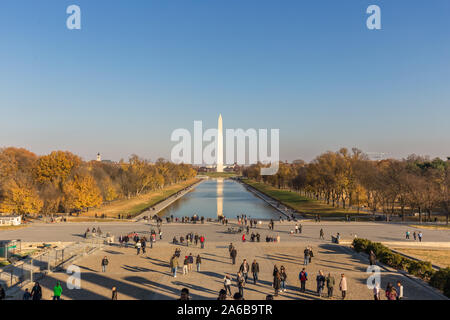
140, 69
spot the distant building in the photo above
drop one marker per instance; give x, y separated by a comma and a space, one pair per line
99, 157
9, 220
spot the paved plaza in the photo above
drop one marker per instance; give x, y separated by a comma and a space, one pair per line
148, 276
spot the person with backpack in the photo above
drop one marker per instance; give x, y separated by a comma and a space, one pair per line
306, 256
255, 271
105, 262
303, 277
57, 291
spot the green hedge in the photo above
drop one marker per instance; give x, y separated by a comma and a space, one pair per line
422, 269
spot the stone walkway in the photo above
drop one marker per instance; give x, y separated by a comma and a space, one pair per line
148, 277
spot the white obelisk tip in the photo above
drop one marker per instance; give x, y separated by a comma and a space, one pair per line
219, 160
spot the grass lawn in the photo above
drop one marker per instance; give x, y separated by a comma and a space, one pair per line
13, 227
298, 202
431, 227
136, 205
437, 257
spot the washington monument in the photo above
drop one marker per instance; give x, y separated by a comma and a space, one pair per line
219, 161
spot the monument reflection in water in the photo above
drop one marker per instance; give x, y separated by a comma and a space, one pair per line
225, 197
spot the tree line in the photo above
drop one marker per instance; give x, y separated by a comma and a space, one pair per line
349, 179
63, 182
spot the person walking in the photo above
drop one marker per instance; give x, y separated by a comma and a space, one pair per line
330, 285
36, 292
243, 237
241, 284
283, 278
343, 286
414, 236
227, 284
143, 245
303, 277
320, 279
233, 255
174, 265
57, 291
399, 290
296, 228
420, 235
244, 269
321, 234
407, 234
255, 271
198, 261
105, 262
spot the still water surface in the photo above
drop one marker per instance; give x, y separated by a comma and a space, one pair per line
216, 197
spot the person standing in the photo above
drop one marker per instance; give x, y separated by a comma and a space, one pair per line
243, 237
174, 265
296, 228
391, 293
303, 277
306, 256
330, 285
114, 293
399, 290
36, 292
191, 262
276, 280
198, 261
26, 295
420, 235
407, 234
105, 262
233, 255
300, 229
138, 247
185, 265
227, 284
57, 291
372, 258
321, 234
143, 245
202, 242
320, 279
241, 284
415, 236
283, 278
255, 271
376, 292
244, 269
343, 286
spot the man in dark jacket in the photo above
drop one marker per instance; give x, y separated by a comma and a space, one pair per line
244, 269
255, 271
233, 255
